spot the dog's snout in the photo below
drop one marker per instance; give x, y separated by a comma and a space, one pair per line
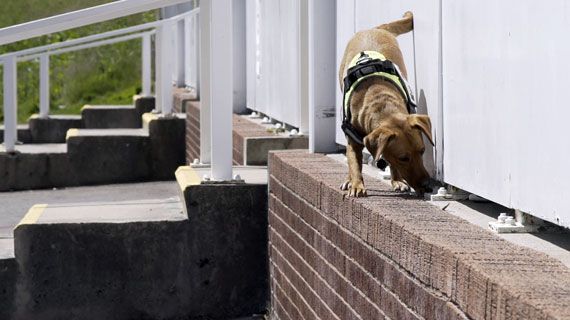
426, 187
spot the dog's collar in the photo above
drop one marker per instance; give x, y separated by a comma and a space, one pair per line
363, 66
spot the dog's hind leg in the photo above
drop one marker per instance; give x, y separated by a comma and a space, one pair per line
406, 24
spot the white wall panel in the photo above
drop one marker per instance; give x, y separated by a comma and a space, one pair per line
277, 83
420, 48
505, 103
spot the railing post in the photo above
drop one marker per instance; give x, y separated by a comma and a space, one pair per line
44, 86
181, 52
192, 56
221, 87
205, 138
318, 22
195, 65
146, 65
164, 64
10, 103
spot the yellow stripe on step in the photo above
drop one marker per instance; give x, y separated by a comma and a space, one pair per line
33, 214
71, 133
187, 176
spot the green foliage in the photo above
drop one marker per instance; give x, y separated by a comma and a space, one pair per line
103, 75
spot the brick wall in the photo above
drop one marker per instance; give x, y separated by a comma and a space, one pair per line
192, 131
393, 256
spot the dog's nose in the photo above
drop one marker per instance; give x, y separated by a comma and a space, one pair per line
426, 187
381, 164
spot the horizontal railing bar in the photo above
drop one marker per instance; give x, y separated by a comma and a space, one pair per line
95, 37
80, 18
87, 45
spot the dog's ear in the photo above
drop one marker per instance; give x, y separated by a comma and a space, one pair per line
377, 140
423, 123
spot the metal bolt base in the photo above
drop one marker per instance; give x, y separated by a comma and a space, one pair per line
501, 227
214, 182
444, 195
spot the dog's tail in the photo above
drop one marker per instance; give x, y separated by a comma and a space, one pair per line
406, 24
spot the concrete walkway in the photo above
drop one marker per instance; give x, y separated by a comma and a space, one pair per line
14, 205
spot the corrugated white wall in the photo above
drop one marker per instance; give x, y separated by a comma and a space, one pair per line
505, 103
494, 85
276, 57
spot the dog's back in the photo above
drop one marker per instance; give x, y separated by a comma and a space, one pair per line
381, 39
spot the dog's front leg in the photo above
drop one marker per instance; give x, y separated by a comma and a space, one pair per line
354, 158
398, 183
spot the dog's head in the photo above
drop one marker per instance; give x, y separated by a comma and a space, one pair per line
400, 142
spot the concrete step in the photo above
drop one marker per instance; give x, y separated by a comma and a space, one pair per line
227, 233
98, 156
110, 116
106, 260
35, 166
24, 134
113, 116
143, 259
8, 277
52, 129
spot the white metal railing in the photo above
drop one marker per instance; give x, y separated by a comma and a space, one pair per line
163, 32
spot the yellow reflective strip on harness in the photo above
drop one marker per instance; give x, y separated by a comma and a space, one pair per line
373, 55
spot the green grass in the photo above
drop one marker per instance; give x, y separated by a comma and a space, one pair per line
103, 75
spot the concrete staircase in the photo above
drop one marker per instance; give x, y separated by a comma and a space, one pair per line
195, 258
106, 144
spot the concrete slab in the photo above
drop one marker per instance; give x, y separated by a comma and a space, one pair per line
106, 212
34, 166
110, 116
6, 248
181, 97
40, 148
103, 261
24, 134
187, 176
144, 104
167, 147
252, 140
106, 156
52, 129
257, 148
14, 205
107, 133
556, 245
228, 237
8, 278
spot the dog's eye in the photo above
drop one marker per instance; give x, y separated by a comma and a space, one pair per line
404, 159
423, 150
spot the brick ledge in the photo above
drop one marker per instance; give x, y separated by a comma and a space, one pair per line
485, 276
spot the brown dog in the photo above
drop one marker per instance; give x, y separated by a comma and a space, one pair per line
379, 113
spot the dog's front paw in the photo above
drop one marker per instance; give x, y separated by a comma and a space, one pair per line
357, 190
345, 186
400, 186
